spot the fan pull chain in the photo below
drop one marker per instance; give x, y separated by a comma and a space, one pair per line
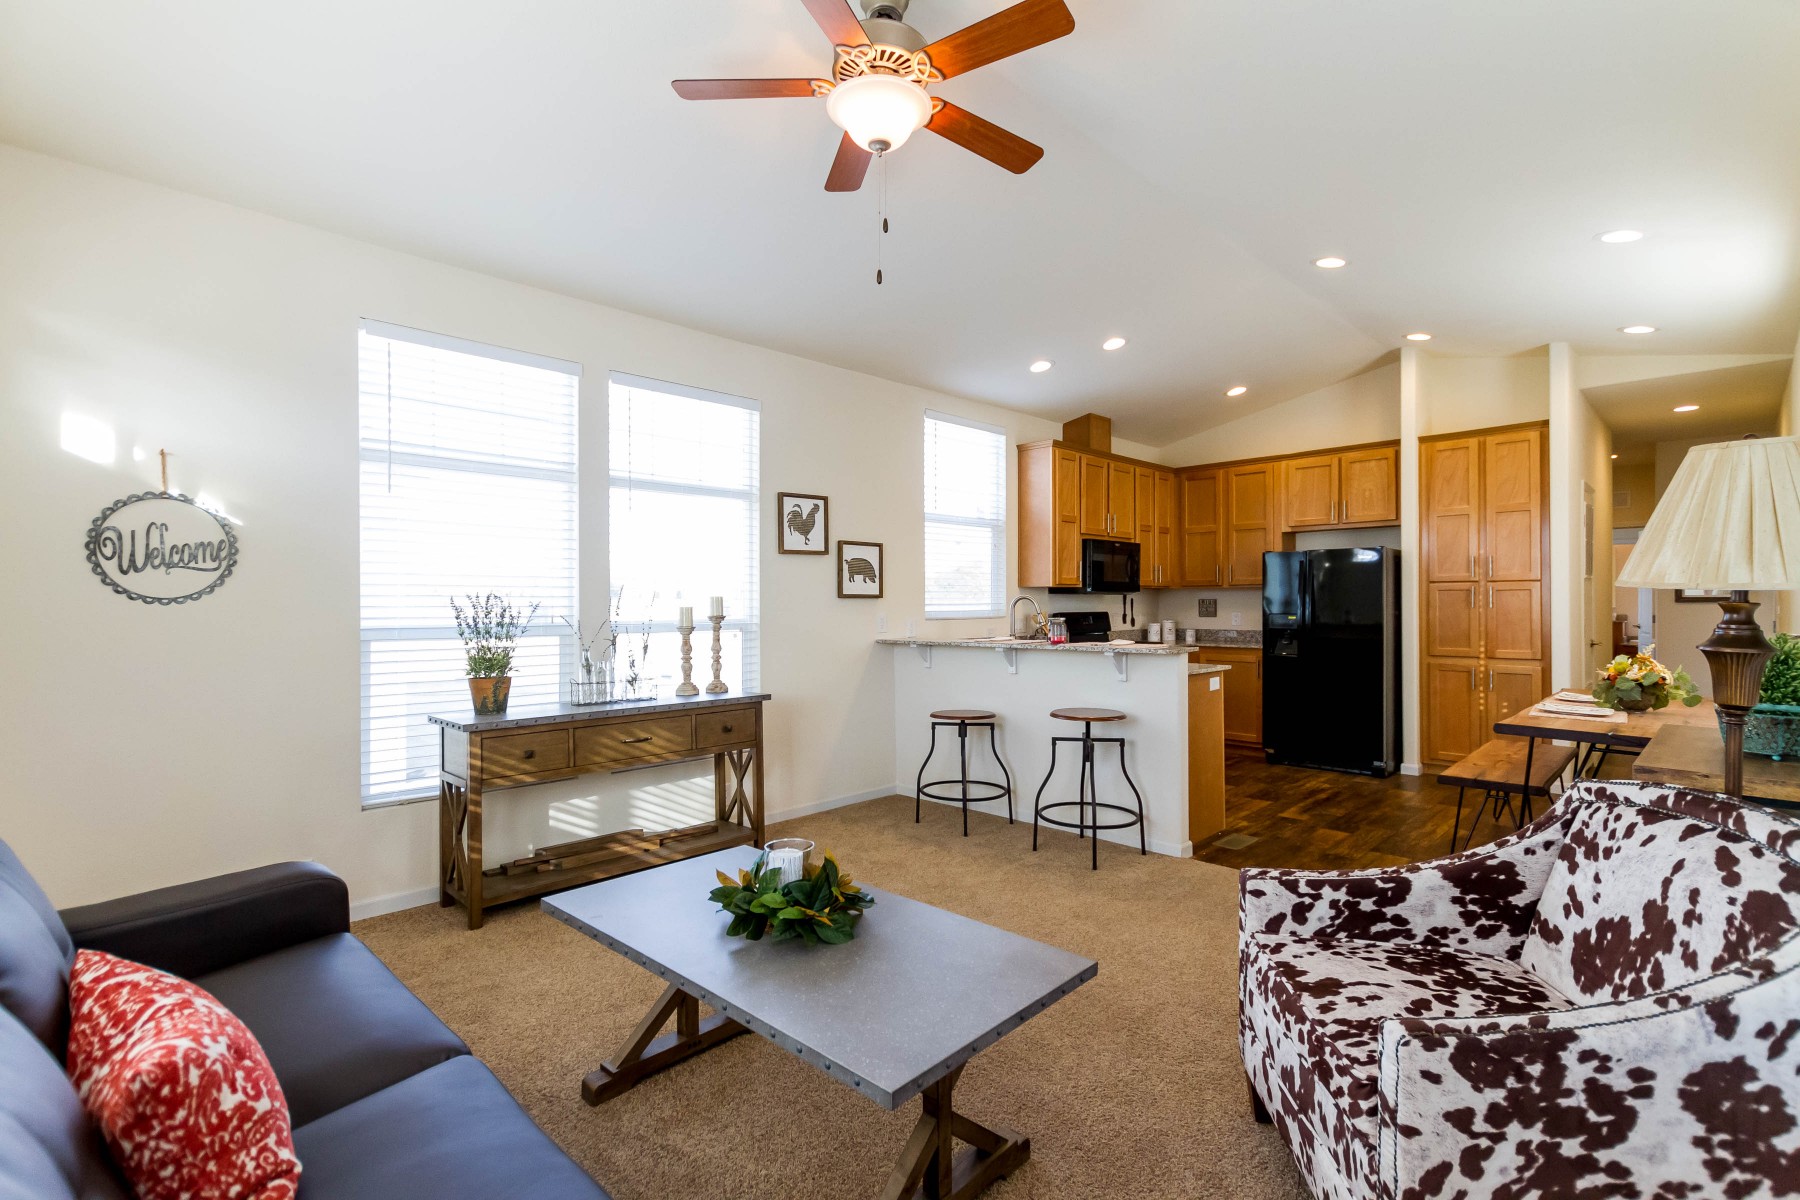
880, 211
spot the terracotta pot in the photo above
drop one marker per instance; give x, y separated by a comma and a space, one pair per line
488, 694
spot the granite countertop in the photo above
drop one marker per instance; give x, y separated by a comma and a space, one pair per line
1165, 650
1207, 668
546, 714
1230, 637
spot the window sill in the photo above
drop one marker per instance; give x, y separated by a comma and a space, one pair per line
398, 801
968, 616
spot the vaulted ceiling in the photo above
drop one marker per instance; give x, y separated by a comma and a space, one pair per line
1200, 155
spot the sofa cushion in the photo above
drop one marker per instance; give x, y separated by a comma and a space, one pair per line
35, 953
49, 1149
335, 1023
1654, 890
1311, 1017
448, 1133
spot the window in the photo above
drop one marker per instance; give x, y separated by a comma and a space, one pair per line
965, 518
683, 523
468, 486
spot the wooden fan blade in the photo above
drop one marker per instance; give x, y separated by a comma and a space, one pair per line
1005, 33
848, 168
985, 138
838, 21
741, 89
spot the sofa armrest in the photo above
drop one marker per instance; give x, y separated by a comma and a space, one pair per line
1482, 900
195, 928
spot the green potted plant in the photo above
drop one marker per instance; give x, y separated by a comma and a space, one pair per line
1638, 683
1773, 727
490, 629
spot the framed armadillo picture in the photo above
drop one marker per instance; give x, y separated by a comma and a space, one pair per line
860, 570
800, 525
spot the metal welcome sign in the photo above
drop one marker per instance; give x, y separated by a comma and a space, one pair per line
161, 548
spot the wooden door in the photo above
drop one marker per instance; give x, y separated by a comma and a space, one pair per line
1454, 690
1369, 486
1512, 687
1453, 620
1514, 624
1512, 499
1243, 691
1202, 560
1096, 511
1164, 527
1250, 523
1121, 497
1312, 491
1143, 531
1451, 510
1066, 538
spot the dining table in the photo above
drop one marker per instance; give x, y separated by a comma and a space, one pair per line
1602, 735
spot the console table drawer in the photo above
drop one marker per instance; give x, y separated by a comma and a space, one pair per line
727, 728
648, 738
524, 753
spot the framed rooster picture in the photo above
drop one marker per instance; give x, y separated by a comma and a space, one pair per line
800, 524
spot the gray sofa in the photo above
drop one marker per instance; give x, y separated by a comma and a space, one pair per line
387, 1103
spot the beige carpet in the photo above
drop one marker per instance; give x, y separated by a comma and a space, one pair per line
1129, 1087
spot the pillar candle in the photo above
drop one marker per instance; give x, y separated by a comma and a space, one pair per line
718, 606
686, 620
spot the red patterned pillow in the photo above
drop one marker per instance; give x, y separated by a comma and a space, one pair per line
180, 1088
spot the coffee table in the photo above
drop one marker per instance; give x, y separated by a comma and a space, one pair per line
896, 1013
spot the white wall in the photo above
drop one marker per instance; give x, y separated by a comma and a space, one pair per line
151, 745
1363, 408
1480, 393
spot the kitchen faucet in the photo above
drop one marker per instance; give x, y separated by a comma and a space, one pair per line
1037, 626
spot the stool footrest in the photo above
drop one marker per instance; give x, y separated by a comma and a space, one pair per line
999, 790
1088, 804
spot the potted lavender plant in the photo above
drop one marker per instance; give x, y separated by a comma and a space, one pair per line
490, 629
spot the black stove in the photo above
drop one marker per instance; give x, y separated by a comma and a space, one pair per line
1087, 626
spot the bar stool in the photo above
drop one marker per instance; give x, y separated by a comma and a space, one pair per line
963, 720
1089, 794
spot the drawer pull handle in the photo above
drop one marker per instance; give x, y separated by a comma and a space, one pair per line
724, 729
635, 741
531, 754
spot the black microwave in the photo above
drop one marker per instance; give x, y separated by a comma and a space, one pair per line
1107, 566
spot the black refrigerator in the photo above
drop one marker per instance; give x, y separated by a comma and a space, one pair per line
1331, 659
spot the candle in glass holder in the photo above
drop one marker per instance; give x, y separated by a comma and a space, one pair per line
718, 606
686, 620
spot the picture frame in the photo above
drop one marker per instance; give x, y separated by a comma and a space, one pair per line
802, 523
861, 571
1700, 596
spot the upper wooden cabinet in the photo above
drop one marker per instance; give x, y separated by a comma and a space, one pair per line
1168, 570
1096, 503
1202, 528
1051, 516
1334, 491
1252, 523
1066, 495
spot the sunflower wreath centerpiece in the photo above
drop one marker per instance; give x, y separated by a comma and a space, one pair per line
822, 905
1638, 683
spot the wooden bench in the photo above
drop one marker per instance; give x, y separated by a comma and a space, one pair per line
1499, 770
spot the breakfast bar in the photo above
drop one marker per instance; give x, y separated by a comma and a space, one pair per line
1173, 726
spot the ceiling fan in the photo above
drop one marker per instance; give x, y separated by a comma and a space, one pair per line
877, 90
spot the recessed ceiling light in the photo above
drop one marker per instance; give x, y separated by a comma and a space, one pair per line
1239, 390
1040, 366
1638, 329
1687, 408
1330, 262
1418, 337
1113, 343
1615, 456
1622, 235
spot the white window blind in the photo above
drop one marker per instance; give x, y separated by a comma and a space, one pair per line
965, 518
683, 522
468, 486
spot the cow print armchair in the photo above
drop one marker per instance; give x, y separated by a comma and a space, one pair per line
1605, 1003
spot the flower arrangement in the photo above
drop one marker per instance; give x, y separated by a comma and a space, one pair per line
821, 907
490, 629
1638, 683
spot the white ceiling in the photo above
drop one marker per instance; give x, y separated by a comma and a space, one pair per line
1732, 401
1200, 154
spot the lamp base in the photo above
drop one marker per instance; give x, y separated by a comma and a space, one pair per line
1736, 652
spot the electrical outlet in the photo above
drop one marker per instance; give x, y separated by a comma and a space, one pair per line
1209, 607
1212, 685
1237, 620
912, 629
881, 624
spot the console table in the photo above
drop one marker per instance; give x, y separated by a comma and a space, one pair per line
539, 744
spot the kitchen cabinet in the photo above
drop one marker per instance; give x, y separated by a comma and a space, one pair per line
1484, 523
1202, 528
1243, 690
1121, 499
1066, 495
1155, 530
1251, 523
1096, 502
1343, 490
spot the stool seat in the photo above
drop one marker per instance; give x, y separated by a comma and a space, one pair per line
1086, 714
962, 714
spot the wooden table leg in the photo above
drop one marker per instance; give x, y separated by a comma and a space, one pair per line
472, 858
929, 1166
645, 1052
756, 821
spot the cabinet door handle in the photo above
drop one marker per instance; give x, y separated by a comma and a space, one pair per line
1490, 566
531, 754
1218, 573
1471, 679
1471, 564
1471, 597
634, 741
1490, 595
1490, 679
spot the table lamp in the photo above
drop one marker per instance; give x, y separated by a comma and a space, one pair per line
1728, 522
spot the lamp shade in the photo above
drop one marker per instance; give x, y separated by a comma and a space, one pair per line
1728, 521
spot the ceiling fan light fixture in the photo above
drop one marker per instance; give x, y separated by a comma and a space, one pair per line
879, 112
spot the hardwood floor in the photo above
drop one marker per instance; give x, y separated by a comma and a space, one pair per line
1323, 820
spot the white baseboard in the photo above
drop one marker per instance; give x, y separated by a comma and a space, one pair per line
1123, 837
380, 906
1407, 768
807, 810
